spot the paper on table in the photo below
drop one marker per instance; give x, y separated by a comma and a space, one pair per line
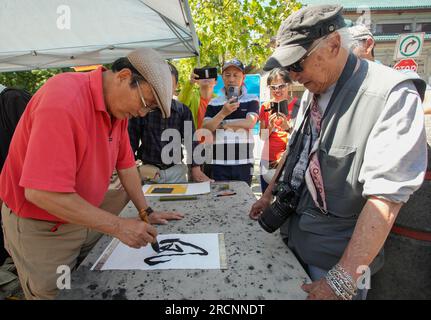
178, 251
190, 189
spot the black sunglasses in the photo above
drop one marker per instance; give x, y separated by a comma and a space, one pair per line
297, 66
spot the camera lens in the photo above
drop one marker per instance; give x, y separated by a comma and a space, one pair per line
273, 217
265, 226
279, 211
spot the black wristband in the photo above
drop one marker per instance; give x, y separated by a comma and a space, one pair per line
149, 210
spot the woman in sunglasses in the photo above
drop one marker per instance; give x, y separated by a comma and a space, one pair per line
275, 123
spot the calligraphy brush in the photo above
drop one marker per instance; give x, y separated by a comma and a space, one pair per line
144, 217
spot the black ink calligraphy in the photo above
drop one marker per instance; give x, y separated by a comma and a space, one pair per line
174, 245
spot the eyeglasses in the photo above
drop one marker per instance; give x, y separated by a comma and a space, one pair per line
276, 87
145, 106
358, 43
297, 66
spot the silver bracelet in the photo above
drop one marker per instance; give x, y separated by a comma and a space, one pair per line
347, 278
344, 272
335, 284
338, 289
335, 288
341, 282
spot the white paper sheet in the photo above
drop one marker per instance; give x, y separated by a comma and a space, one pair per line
178, 251
191, 189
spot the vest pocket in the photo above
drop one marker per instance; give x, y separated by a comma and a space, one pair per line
323, 239
338, 168
312, 221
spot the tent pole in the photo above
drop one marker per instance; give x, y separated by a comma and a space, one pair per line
171, 26
187, 10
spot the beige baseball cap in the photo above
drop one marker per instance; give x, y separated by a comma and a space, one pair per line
155, 70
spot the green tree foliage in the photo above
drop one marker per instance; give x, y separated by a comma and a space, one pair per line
235, 28
29, 80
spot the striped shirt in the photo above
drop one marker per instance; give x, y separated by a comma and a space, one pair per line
234, 147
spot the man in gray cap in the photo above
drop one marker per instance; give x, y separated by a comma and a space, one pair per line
71, 137
363, 42
357, 153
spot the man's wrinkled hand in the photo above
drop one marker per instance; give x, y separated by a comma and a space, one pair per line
162, 217
135, 233
258, 207
199, 176
319, 290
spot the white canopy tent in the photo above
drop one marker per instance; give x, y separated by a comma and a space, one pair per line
40, 34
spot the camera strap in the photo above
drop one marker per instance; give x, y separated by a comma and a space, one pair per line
302, 140
295, 149
303, 136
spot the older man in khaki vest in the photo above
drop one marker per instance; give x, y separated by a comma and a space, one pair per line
357, 153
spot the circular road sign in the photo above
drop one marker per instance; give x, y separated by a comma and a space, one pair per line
410, 45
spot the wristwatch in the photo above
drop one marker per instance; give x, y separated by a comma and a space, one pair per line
144, 213
149, 210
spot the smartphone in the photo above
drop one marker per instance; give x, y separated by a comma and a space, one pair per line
280, 107
232, 92
206, 73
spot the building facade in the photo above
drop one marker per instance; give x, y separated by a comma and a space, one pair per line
387, 19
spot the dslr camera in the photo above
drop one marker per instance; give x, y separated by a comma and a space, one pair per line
286, 201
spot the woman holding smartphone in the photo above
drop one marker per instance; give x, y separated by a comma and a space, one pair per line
276, 118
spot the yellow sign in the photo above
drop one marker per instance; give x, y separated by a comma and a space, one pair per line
86, 68
167, 188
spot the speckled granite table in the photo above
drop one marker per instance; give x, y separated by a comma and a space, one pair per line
259, 264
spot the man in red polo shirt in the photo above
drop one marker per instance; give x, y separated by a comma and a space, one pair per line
71, 137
